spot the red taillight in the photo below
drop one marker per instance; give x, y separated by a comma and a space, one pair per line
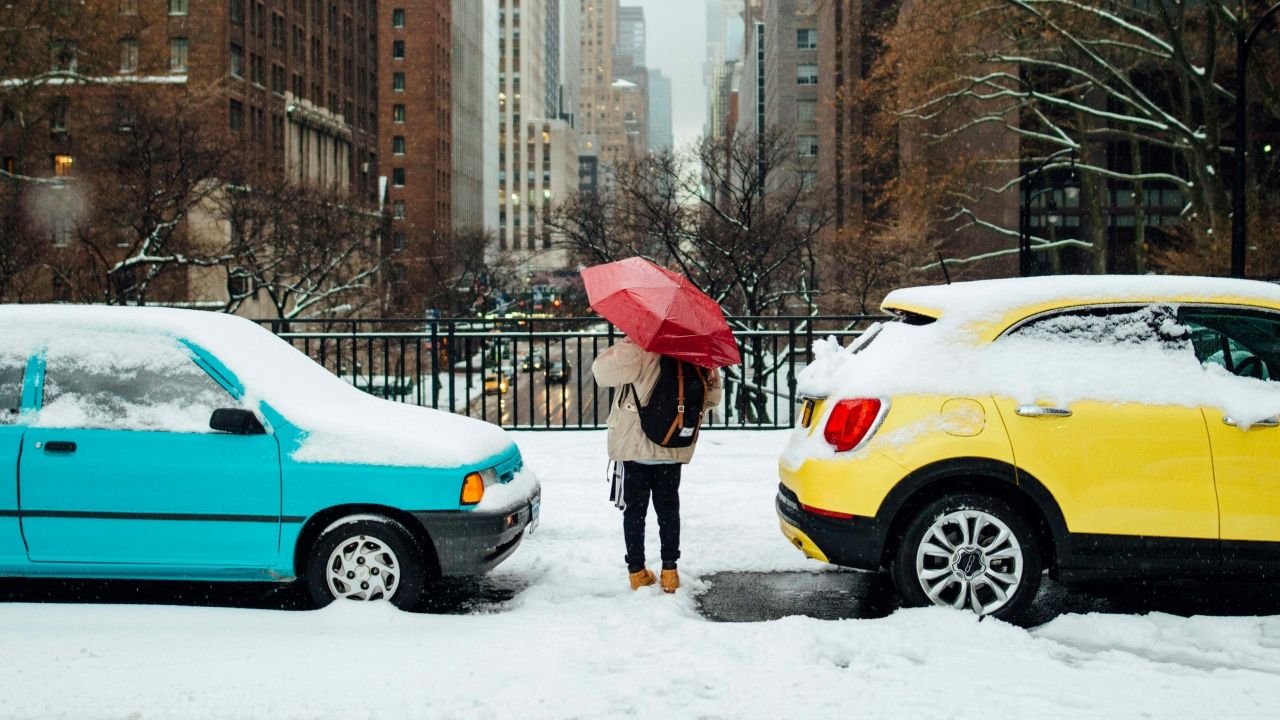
827, 513
850, 421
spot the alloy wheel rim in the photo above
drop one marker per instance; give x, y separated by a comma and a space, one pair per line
363, 568
969, 559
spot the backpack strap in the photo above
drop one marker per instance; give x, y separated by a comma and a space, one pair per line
679, 418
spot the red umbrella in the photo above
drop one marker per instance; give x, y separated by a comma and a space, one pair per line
661, 311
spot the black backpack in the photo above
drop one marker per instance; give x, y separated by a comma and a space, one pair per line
674, 411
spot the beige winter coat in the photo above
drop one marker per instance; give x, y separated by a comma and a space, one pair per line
627, 362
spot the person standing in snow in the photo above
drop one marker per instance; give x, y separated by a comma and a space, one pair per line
642, 467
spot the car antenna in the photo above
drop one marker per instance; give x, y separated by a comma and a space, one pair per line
942, 263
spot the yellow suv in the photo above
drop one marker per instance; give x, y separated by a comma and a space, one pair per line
1091, 427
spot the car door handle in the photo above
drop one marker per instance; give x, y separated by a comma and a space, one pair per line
1042, 411
1266, 422
60, 447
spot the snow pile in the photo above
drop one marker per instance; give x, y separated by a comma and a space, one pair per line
1105, 359
340, 422
577, 643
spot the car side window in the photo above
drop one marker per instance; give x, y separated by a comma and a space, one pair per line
1151, 326
12, 370
1243, 342
138, 383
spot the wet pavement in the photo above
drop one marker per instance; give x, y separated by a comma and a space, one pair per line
728, 597
756, 597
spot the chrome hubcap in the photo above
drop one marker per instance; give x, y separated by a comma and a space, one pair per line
363, 568
969, 559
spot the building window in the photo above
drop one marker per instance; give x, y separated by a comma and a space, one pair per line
806, 74
808, 145
178, 7
808, 178
397, 177
397, 82
397, 113
128, 55
62, 231
397, 49
237, 11
805, 110
398, 210
397, 18
397, 145
62, 56
806, 38
236, 120
58, 114
62, 165
397, 240
237, 61
178, 55
128, 7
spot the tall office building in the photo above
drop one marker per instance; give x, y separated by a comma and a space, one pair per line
791, 79
660, 133
630, 51
725, 36
614, 119
537, 151
414, 63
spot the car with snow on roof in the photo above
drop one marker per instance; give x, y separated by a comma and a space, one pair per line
1091, 427
146, 443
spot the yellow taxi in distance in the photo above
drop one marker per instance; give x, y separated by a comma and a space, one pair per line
1090, 427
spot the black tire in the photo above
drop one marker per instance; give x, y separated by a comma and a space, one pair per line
1018, 596
376, 530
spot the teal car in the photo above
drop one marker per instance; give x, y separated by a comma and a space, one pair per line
140, 443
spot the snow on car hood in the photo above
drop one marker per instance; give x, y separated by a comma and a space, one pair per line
339, 422
943, 358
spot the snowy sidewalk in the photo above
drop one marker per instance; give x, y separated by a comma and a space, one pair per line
577, 643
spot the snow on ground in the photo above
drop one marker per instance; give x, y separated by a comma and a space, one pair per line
577, 643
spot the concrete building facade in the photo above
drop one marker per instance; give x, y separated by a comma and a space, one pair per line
791, 77
537, 150
470, 100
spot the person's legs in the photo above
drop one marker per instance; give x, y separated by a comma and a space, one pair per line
635, 492
666, 502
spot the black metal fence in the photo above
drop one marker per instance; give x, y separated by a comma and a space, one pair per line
535, 374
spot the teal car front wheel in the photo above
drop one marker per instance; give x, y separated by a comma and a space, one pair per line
366, 558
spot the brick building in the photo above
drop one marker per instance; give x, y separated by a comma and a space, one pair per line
291, 83
414, 128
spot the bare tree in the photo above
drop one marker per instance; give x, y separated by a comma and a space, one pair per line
1070, 75
308, 251
735, 215
152, 160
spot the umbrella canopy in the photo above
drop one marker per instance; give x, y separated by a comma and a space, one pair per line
661, 311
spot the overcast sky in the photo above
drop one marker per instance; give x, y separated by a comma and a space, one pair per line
676, 44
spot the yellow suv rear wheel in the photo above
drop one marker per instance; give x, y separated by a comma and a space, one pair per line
968, 551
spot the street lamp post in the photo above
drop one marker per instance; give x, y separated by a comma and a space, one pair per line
1239, 207
1024, 242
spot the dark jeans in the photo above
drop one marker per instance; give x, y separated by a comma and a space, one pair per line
663, 483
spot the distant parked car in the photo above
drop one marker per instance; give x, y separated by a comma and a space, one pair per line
558, 372
153, 443
532, 362
1091, 427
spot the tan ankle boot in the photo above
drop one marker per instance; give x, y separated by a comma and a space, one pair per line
670, 580
642, 578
